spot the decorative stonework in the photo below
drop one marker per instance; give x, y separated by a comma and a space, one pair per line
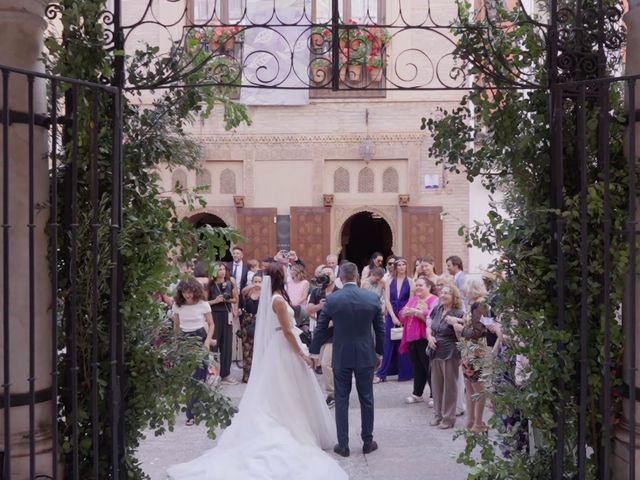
358, 138
179, 177
203, 181
226, 214
366, 180
343, 213
341, 180
238, 201
327, 200
390, 181
227, 181
403, 200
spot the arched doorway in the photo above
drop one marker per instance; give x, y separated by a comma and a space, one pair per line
201, 219
363, 234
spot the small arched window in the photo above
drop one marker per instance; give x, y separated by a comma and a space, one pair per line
390, 180
341, 180
203, 181
179, 179
228, 181
365, 180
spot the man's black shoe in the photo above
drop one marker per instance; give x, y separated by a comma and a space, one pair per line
318, 370
342, 451
330, 401
369, 447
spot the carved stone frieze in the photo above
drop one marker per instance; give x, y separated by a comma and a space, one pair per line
298, 139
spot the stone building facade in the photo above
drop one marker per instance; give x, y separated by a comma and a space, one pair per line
296, 178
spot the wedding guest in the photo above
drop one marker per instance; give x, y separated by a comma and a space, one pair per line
298, 286
399, 290
192, 318
254, 266
473, 333
317, 301
251, 294
456, 270
200, 273
374, 262
414, 336
429, 268
444, 357
375, 283
417, 268
222, 297
391, 265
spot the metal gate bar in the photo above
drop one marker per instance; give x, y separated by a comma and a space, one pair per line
68, 159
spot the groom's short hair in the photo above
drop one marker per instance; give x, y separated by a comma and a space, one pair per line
348, 272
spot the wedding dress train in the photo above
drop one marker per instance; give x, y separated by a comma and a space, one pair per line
283, 423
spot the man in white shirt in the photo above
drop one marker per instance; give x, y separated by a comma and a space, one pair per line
332, 262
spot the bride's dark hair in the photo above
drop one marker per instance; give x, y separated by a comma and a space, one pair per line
275, 270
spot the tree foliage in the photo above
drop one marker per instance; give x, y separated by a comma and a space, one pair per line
501, 138
153, 242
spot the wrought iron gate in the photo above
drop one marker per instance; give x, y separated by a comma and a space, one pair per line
578, 90
52, 157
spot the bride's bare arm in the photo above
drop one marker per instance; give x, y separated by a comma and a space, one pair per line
280, 309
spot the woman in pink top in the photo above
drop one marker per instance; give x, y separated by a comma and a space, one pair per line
414, 317
298, 287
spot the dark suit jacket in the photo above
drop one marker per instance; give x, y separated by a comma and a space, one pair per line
243, 279
357, 319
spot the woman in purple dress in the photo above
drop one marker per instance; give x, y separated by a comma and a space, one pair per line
399, 290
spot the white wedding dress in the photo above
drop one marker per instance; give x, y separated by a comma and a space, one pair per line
283, 423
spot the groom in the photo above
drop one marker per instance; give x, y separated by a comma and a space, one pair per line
354, 313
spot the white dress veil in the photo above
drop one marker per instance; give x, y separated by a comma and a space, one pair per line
266, 324
282, 423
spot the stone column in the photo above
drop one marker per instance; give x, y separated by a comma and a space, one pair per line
621, 443
22, 25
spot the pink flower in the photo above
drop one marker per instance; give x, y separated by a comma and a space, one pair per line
218, 31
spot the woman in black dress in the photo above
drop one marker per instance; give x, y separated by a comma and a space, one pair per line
222, 296
251, 294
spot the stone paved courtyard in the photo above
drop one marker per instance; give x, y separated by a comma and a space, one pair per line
409, 448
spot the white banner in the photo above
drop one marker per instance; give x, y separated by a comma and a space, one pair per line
277, 55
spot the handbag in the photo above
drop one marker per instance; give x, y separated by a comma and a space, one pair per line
396, 333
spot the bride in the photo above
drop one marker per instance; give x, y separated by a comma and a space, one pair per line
283, 424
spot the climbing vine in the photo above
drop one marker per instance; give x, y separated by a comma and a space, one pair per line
503, 141
154, 242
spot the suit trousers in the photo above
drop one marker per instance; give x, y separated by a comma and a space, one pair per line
444, 381
364, 386
326, 357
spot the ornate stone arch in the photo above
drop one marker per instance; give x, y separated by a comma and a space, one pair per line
179, 176
226, 214
203, 180
366, 180
341, 181
390, 180
228, 181
343, 213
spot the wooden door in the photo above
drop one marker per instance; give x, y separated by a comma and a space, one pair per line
310, 235
422, 234
258, 226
